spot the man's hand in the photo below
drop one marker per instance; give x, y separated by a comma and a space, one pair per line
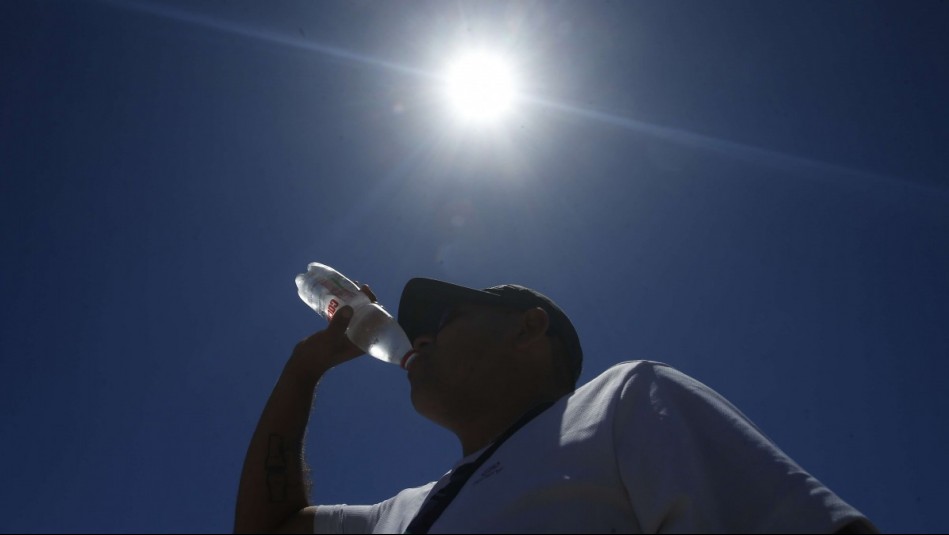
330, 347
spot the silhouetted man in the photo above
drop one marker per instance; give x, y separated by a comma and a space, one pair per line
642, 448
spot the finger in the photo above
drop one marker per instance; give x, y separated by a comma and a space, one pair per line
340, 320
365, 289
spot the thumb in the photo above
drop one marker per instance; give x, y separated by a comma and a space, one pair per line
341, 320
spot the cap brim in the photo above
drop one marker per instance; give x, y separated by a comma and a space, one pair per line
424, 301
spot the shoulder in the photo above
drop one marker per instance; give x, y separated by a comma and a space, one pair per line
611, 383
654, 389
634, 373
620, 375
623, 384
633, 367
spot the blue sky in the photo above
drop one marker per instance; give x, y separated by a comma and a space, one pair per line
755, 193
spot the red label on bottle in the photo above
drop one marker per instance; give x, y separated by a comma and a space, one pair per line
331, 308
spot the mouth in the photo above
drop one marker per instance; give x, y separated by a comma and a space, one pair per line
412, 361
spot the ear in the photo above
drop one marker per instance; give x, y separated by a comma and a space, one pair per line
534, 323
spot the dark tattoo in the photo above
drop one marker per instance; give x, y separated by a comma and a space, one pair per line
276, 466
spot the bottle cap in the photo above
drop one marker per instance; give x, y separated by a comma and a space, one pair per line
407, 359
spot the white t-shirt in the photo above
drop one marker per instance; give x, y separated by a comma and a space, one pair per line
642, 448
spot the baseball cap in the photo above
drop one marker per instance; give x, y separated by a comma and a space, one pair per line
425, 300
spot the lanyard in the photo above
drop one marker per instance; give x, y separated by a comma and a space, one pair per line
436, 503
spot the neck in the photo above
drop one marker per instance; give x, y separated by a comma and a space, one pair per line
485, 428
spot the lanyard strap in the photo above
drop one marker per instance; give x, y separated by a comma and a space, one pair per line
436, 503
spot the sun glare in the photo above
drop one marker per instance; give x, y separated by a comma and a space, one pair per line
480, 87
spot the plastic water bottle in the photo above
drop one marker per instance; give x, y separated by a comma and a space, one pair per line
371, 328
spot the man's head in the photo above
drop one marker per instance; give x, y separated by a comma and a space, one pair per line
477, 348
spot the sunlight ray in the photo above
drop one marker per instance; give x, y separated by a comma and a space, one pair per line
264, 35
740, 151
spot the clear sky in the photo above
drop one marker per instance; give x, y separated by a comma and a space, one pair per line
756, 193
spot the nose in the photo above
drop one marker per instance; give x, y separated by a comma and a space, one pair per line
422, 341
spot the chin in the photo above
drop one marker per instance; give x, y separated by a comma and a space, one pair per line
426, 405
417, 400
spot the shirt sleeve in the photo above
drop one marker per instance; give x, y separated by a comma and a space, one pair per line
390, 516
692, 462
345, 518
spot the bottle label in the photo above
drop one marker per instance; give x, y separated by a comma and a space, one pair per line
326, 290
331, 308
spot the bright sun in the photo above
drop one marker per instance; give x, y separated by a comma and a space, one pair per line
480, 87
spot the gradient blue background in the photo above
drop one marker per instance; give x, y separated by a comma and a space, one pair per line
753, 192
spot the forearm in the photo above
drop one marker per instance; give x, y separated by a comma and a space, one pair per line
274, 481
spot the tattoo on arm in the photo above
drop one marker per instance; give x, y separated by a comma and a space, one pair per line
276, 466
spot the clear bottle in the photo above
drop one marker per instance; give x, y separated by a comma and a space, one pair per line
371, 328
